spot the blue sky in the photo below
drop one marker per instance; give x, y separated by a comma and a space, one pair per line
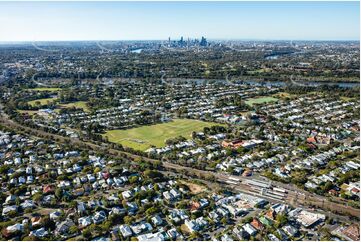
36, 21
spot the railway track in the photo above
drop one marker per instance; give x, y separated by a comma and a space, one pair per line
295, 196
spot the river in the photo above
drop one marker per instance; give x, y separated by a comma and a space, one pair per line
136, 51
306, 83
275, 83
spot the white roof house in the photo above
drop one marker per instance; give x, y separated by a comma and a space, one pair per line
249, 229
125, 230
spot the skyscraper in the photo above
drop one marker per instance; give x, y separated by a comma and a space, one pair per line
203, 42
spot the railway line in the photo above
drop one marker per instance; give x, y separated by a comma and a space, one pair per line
255, 185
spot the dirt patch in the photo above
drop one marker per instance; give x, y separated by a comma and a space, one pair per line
46, 211
194, 188
184, 229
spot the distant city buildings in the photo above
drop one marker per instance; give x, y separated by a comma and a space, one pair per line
181, 43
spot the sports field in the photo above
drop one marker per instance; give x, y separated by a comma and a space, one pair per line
142, 138
42, 101
29, 112
79, 104
260, 100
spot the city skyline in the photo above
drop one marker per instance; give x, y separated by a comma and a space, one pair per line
70, 21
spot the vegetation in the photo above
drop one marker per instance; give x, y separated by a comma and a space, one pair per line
144, 137
260, 100
79, 105
43, 101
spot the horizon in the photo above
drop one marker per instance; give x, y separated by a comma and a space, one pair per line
152, 21
176, 39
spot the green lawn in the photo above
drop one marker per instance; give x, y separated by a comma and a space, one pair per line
42, 101
30, 112
79, 104
347, 99
43, 89
259, 100
142, 138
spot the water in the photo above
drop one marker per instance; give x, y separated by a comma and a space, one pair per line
273, 83
136, 51
276, 56
272, 57
308, 83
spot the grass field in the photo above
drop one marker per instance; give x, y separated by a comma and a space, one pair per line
348, 99
142, 138
30, 112
43, 89
260, 100
42, 101
80, 104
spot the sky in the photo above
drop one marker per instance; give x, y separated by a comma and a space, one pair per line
51, 21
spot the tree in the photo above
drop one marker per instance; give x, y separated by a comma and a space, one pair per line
73, 204
106, 226
73, 229
128, 220
326, 234
30, 238
248, 220
151, 211
281, 219
210, 177
37, 197
28, 210
152, 174
58, 193
182, 204
114, 218
194, 235
328, 186
48, 223
224, 220
12, 214
86, 233
194, 135
133, 179
157, 164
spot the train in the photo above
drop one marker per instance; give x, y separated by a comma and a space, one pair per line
277, 189
274, 196
260, 184
234, 179
231, 182
277, 193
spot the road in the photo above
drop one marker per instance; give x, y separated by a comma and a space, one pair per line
294, 196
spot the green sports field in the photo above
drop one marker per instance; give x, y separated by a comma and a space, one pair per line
260, 100
42, 101
79, 104
142, 138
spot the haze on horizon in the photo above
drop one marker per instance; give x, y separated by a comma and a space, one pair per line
63, 21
